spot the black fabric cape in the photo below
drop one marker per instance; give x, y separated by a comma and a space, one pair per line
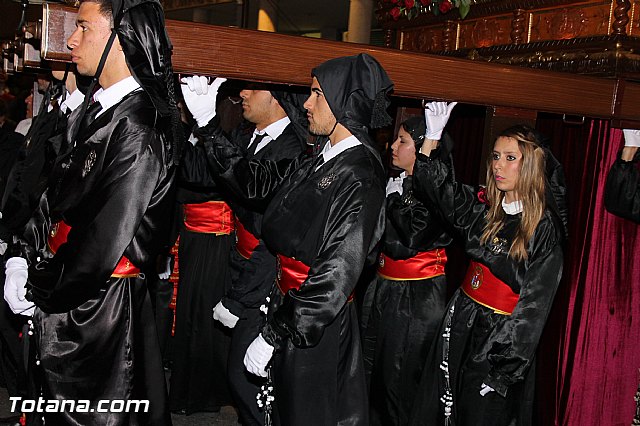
405, 315
95, 334
332, 227
486, 347
622, 189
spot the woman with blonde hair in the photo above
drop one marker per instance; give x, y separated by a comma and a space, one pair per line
481, 369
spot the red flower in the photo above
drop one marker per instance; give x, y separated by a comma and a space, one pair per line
409, 4
445, 6
482, 195
425, 2
395, 13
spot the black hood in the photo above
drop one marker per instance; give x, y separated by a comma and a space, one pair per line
292, 104
357, 90
140, 27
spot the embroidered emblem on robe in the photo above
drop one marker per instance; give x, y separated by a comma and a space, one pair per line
326, 180
88, 163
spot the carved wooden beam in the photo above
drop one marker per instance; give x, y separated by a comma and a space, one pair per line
270, 57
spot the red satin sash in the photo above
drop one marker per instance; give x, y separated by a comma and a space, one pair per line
427, 264
58, 236
212, 217
488, 290
246, 242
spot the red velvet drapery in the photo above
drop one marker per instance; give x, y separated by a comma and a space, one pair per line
590, 355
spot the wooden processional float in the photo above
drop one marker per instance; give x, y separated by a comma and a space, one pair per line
270, 57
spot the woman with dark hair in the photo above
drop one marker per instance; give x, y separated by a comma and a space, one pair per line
410, 288
481, 369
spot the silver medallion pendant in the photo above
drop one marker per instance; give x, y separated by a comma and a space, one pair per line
498, 245
88, 163
326, 180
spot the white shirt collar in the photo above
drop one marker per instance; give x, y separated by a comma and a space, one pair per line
329, 151
273, 131
115, 93
512, 208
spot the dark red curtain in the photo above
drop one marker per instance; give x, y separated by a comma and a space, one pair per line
590, 352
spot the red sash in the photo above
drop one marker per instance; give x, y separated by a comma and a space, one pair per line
486, 289
292, 273
58, 236
424, 265
212, 217
246, 242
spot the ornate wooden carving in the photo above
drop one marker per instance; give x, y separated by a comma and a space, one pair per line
621, 17
518, 26
595, 37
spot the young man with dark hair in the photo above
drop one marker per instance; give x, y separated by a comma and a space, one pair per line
100, 223
323, 220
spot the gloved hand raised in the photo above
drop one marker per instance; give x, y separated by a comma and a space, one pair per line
222, 314
632, 137
257, 357
16, 271
436, 115
200, 97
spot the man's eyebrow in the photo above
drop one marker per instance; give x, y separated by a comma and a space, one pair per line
316, 90
81, 21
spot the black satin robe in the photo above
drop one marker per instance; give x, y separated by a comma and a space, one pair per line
200, 344
252, 280
405, 315
95, 334
486, 347
331, 220
622, 189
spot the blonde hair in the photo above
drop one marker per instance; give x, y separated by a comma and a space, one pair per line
530, 189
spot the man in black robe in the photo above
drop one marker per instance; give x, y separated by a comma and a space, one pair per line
323, 220
93, 327
622, 189
275, 129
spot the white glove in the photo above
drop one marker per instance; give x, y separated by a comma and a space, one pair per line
436, 115
222, 314
167, 270
258, 355
200, 97
16, 271
394, 185
485, 389
631, 137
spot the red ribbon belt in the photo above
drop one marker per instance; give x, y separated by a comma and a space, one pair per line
58, 236
488, 290
212, 217
426, 264
246, 242
292, 273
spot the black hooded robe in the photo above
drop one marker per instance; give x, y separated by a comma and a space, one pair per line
405, 314
200, 344
331, 220
484, 346
622, 189
252, 280
95, 333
